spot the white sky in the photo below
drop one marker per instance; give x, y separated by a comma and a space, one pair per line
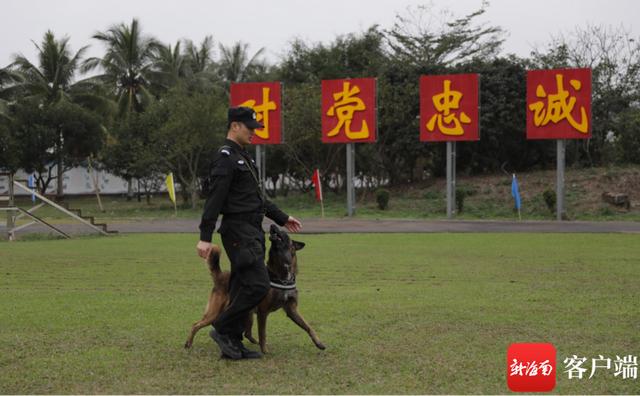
273, 23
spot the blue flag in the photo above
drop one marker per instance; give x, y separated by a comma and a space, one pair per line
31, 182
514, 191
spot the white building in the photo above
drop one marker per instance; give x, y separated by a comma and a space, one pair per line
76, 181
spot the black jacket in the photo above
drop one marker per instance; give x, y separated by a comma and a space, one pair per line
233, 189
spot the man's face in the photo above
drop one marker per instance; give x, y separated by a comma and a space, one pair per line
242, 134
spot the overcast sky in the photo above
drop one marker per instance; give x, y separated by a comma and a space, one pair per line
272, 24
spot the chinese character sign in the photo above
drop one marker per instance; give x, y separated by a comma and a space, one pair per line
266, 99
349, 111
449, 108
559, 104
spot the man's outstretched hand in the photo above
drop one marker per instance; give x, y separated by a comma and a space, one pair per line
293, 224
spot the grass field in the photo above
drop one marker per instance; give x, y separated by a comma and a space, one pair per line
401, 313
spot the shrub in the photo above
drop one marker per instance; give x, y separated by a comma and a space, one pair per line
382, 197
461, 194
549, 197
432, 194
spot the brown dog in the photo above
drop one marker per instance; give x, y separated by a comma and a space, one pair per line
283, 267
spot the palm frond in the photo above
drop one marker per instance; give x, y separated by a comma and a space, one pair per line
127, 62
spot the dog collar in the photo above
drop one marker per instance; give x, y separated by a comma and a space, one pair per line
283, 287
279, 284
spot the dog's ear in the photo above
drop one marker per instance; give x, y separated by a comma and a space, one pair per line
298, 245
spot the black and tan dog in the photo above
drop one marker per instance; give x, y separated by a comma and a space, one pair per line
283, 267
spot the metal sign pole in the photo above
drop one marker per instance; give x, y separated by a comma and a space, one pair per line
350, 174
561, 145
10, 222
451, 179
454, 171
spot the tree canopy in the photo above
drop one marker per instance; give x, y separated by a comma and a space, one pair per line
156, 107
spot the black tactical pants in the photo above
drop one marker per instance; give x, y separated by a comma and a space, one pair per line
244, 243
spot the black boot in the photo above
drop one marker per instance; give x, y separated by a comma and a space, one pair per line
247, 353
227, 346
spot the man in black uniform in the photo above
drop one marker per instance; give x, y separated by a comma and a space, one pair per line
235, 192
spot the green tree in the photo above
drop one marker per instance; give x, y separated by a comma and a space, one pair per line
626, 139
50, 82
195, 126
9, 149
303, 150
613, 55
348, 56
170, 66
46, 133
127, 65
503, 140
200, 57
9, 81
423, 42
203, 76
302, 69
130, 152
425, 38
237, 65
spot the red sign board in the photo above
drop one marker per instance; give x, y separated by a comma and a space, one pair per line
349, 111
559, 104
449, 108
531, 367
266, 99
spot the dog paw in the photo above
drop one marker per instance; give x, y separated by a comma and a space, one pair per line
187, 345
320, 345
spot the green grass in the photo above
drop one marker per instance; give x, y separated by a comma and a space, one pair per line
400, 313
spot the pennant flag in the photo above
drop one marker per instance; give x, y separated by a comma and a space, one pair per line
317, 185
514, 191
171, 188
31, 183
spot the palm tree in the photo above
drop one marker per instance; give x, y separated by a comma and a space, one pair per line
51, 80
203, 73
200, 58
8, 77
192, 67
9, 80
170, 65
127, 65
235, 63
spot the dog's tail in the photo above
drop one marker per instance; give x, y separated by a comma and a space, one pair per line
213, 260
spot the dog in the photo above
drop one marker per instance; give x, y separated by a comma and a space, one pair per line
282, 265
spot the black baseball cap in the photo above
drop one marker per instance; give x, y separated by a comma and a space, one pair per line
245, 115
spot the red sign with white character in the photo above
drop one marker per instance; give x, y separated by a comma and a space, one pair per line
265, 98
